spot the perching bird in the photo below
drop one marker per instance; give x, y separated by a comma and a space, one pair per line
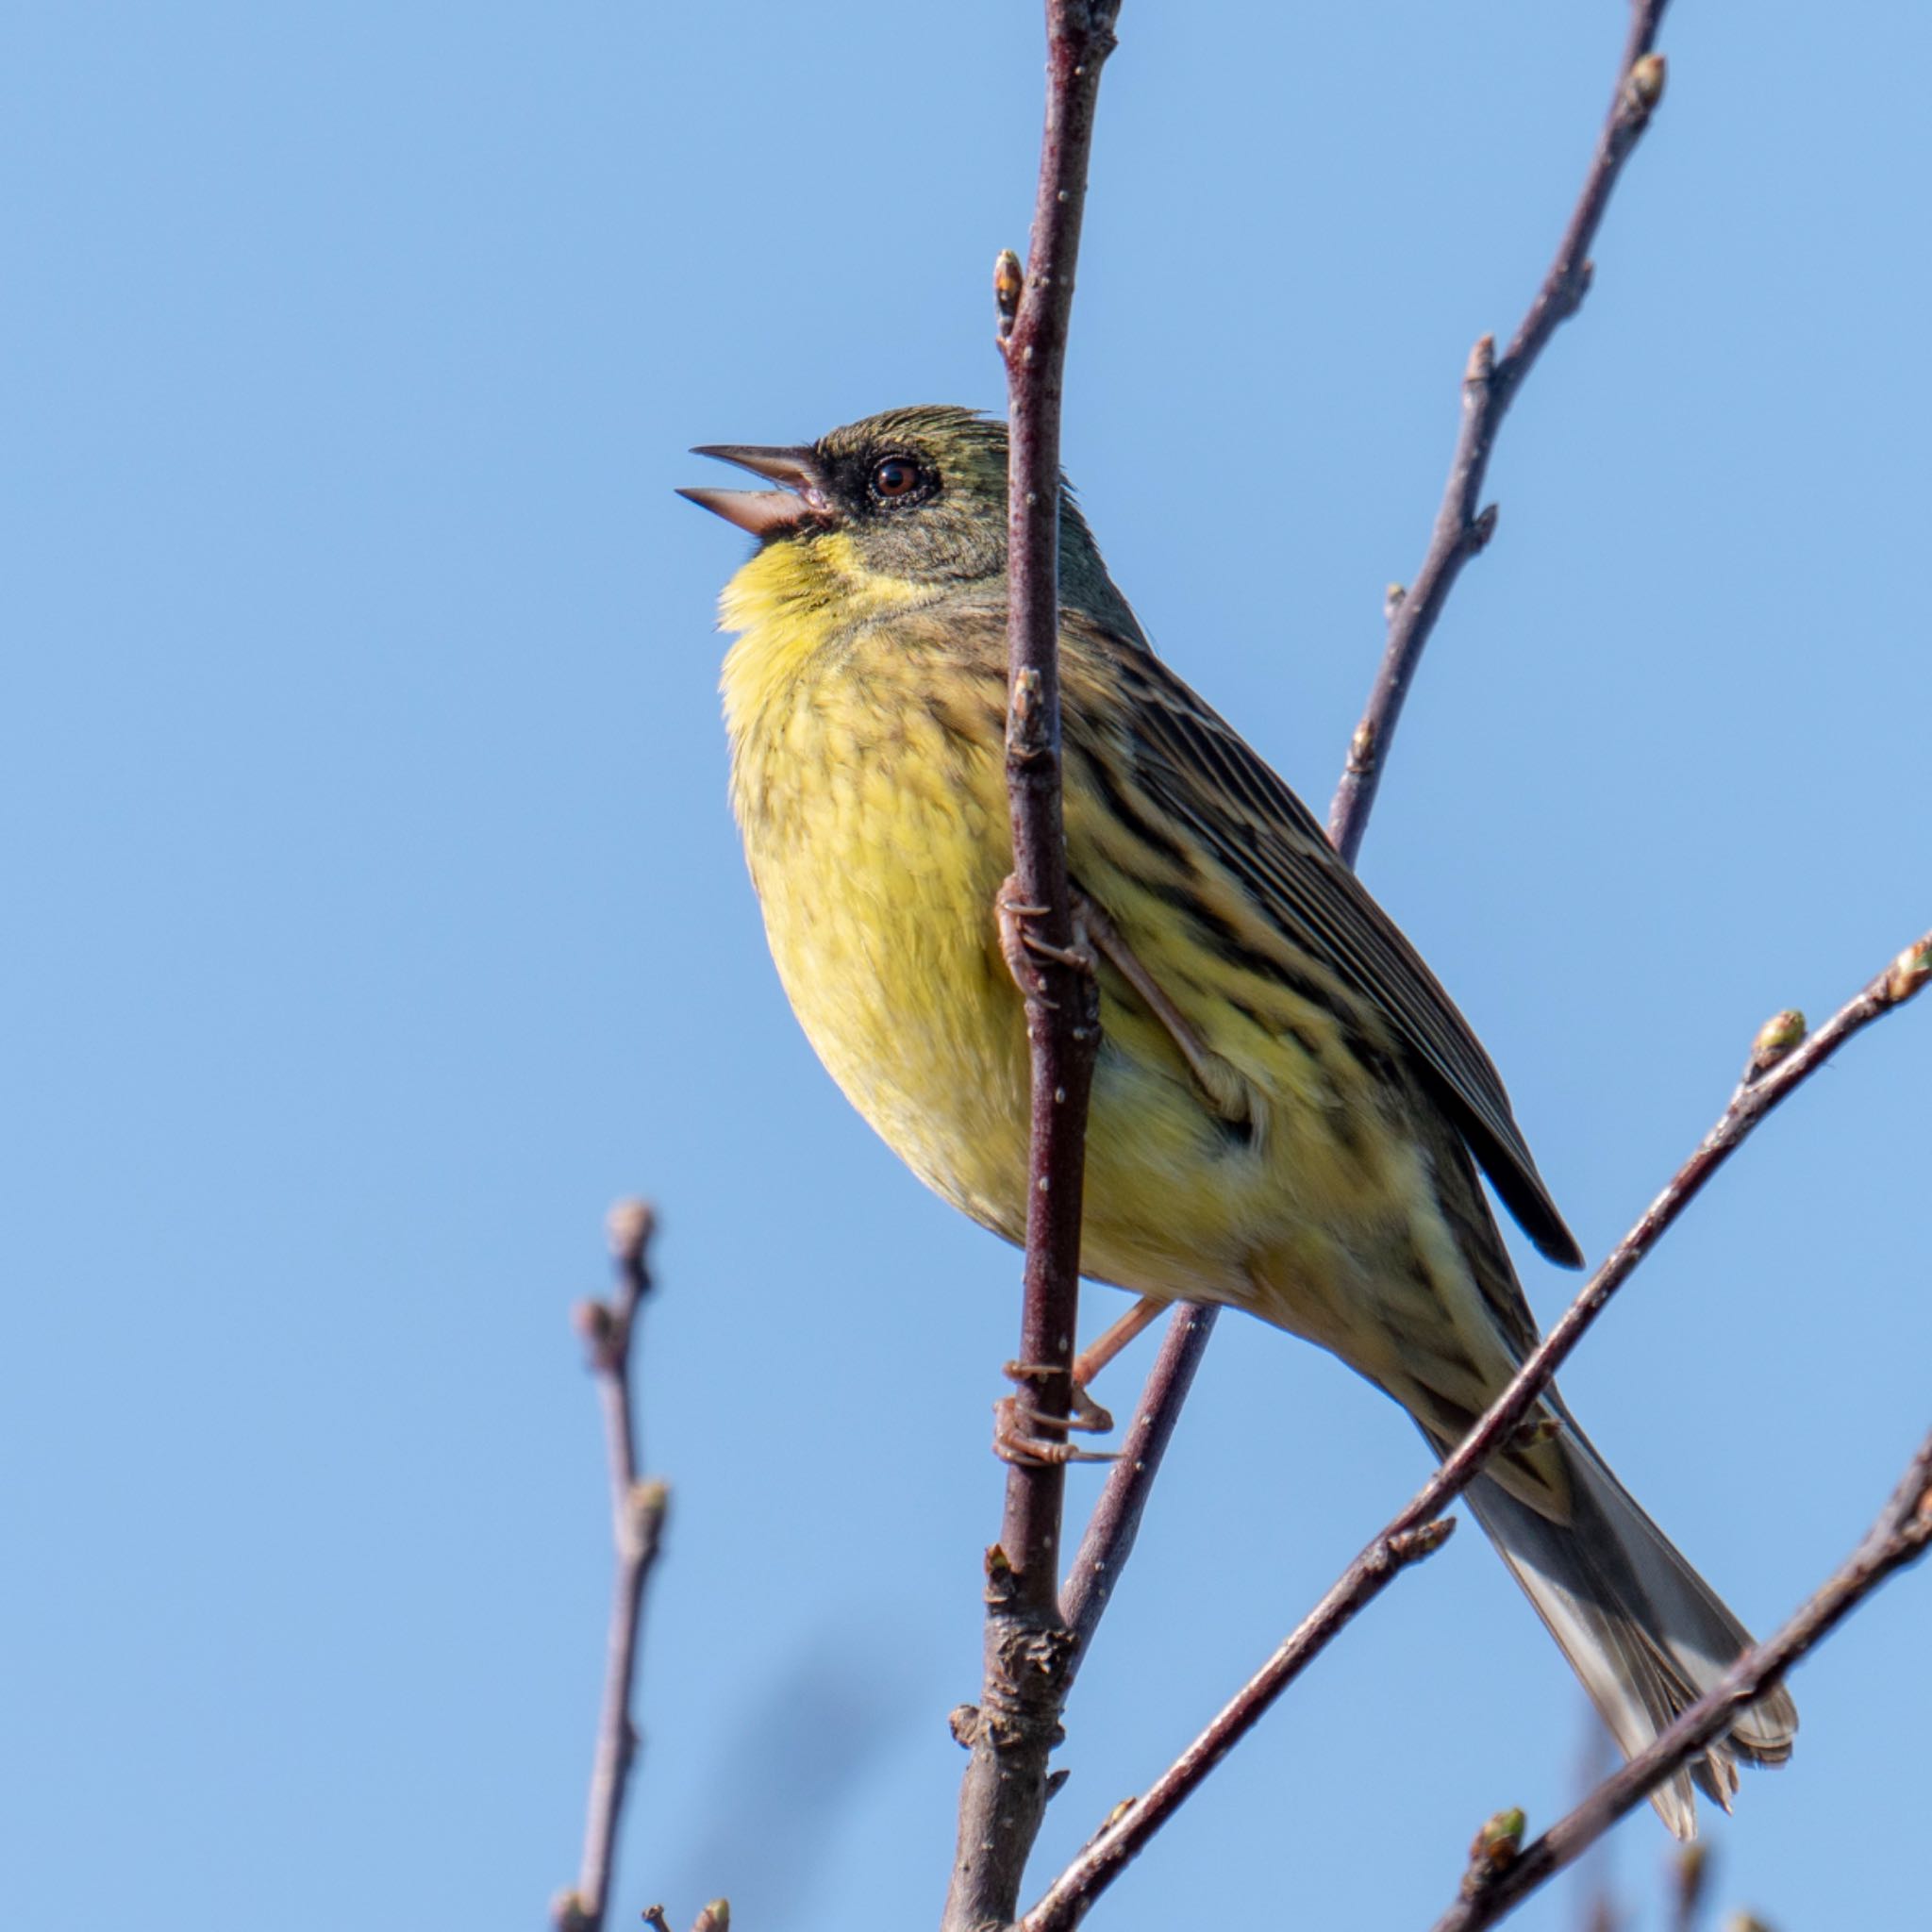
1288, 1111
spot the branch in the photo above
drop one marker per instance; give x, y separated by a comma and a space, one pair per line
1597, 1905
1898, 1538
1003, 1796
716, 1916
1116, 1519
1689, 1885
637, 1511
1489, 387
1396, 1546
1459, 534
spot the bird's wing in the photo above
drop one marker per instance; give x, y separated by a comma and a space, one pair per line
1197, 768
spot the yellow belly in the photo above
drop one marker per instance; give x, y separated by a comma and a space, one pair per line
876, 867
868, 776
876, 827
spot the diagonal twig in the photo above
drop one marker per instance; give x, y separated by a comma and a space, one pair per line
1116, 1520
637, 1510
1459, 533
1003, 1795
1396, 1547
1898, 1538
1489, 387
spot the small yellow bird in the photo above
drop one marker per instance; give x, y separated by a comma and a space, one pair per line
1288, 1111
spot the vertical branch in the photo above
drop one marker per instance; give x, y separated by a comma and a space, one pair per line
637, 1520
1689, 1885
1004, 1790
1600, 1910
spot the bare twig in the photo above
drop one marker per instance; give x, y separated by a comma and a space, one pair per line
1116, 1519
1489, 387
1597, 1900
716, 1916
637, 1510
1004, 1790
1395, 1548
1689, 1885
1898, 1538
1459, 533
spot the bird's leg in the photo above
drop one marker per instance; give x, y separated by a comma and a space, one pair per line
1226, 1092
1096, 937
1095, 1356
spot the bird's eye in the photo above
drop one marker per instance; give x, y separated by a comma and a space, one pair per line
894, 477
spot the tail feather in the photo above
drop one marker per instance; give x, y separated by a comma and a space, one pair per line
1645, 1634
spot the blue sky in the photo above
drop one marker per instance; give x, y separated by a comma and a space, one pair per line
376, 918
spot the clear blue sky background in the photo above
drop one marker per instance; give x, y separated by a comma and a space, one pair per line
375, 916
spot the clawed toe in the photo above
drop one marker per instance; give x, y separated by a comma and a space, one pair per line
1017, 1437
1033, 1438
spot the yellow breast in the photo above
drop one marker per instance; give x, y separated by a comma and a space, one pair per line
875, 832
868, 778
1281, 1165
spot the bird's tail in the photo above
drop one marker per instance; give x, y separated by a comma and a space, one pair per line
1647, 1635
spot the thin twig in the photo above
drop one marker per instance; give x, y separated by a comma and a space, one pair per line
1459, 533
1393, 1549
637, 1514
1003, 1792
1489, 387
1898, 1538
1691, 1887
1116, 1519
716, 1916
1598, 1902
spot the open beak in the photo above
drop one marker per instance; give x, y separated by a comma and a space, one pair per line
765, 512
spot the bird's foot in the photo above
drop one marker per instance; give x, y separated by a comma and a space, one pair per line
1015, 1436
1022, 948
1024, 1434
1087, 1414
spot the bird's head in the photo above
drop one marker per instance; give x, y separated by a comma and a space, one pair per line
912, 502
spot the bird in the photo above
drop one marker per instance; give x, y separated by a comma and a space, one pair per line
1288, 1112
